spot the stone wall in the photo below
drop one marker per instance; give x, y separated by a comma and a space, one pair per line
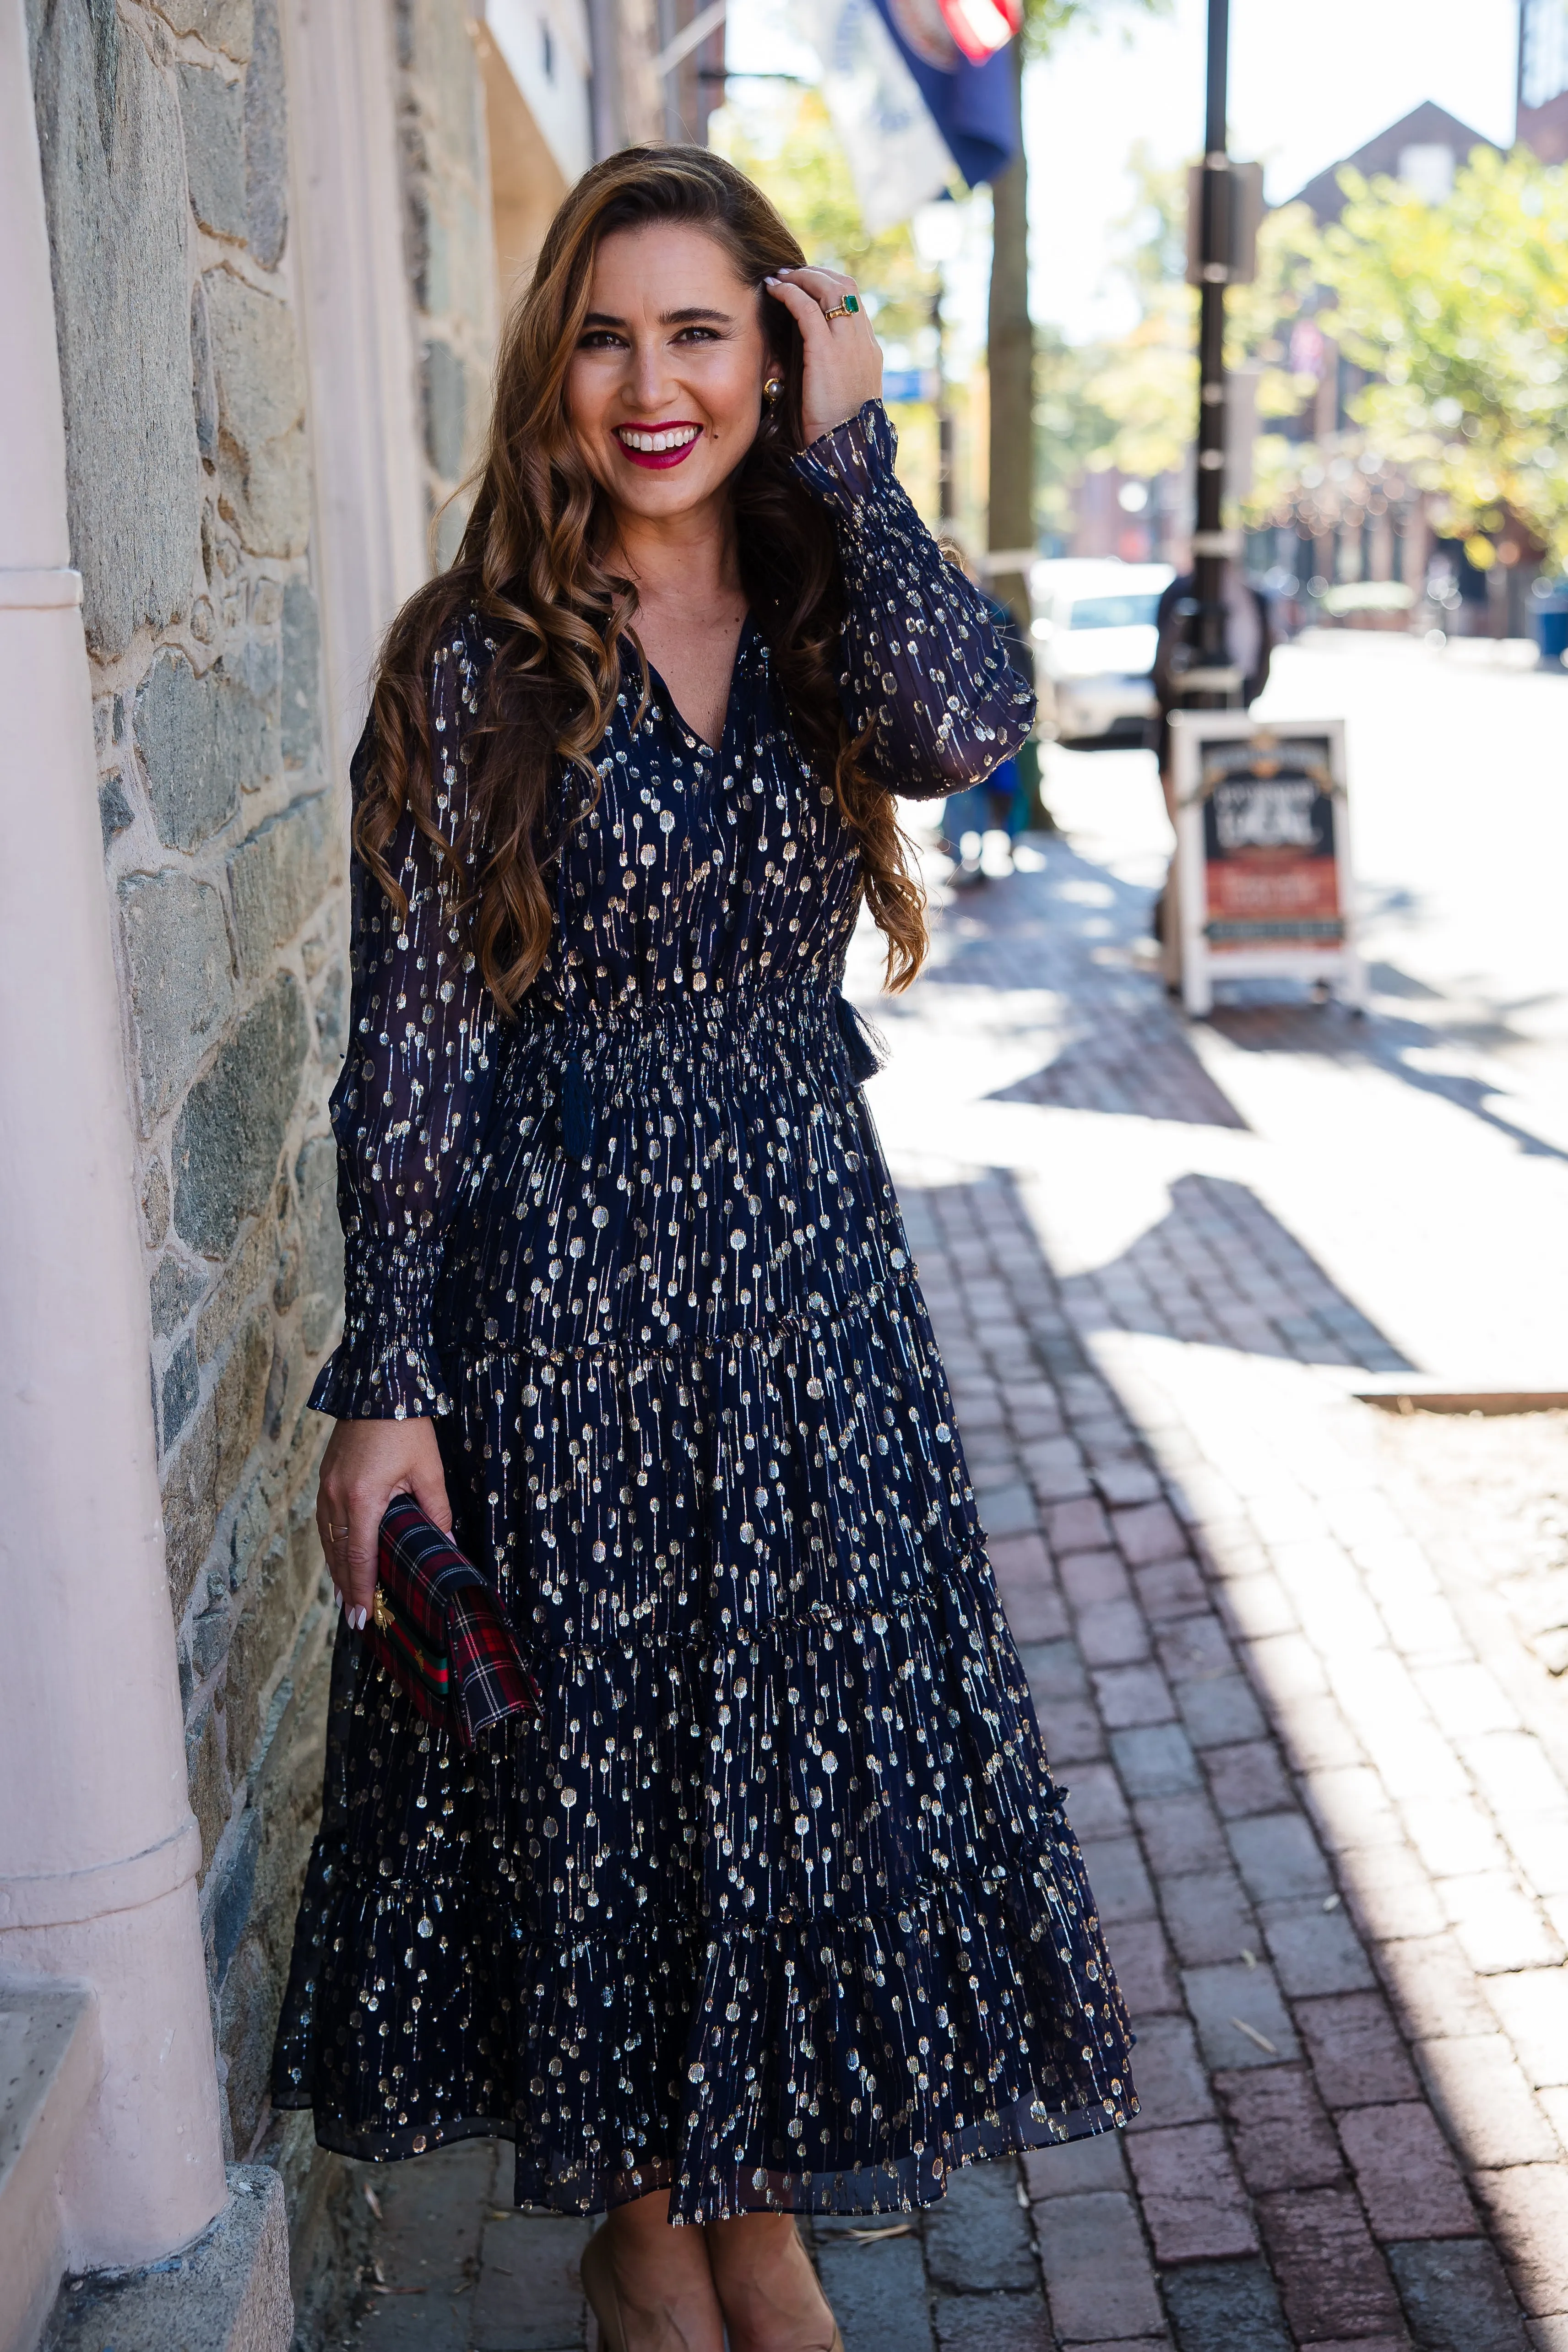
164, 134
450, 242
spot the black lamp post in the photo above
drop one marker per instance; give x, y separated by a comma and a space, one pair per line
1208, 681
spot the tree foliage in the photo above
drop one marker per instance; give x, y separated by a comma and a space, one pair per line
1460, 310
791, 150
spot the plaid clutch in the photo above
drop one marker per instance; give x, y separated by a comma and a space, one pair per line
440, 1632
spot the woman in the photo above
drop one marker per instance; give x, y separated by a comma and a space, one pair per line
774, 1908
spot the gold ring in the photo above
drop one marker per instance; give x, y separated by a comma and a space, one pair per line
845, 309
336, 1532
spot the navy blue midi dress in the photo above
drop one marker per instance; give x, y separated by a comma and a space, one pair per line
776, 1904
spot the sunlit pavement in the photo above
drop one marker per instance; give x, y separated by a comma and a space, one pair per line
1296, 1669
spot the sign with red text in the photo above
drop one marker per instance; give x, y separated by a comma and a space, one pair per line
1263, 853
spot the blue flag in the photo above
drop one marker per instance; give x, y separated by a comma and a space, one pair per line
909, 107
972, 105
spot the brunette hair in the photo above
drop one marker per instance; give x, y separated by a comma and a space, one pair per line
533, 565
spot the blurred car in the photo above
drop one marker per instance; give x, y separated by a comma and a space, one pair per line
1094, 640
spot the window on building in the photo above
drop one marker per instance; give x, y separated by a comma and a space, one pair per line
1543, 60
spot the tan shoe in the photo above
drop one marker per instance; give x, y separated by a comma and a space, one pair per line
598, 2276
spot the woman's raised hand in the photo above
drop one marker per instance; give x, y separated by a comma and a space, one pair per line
365, 1464
843, 357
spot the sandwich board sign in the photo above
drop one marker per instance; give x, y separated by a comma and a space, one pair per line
1263, 863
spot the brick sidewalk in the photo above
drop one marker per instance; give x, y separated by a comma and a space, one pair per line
1317, 1776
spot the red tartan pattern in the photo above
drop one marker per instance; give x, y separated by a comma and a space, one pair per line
440, 1631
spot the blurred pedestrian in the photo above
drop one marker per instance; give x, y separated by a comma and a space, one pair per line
978, 826
1249, 647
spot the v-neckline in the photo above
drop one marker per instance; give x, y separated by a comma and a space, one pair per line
657, 677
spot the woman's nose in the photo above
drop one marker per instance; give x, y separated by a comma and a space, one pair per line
649, 375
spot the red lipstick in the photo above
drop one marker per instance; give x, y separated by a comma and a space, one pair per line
659, 460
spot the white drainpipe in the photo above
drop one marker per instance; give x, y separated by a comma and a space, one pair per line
99, 1848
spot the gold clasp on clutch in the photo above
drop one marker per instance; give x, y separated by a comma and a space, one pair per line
380, 1612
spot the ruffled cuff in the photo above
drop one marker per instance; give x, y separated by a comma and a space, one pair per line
385, 1368
852, 466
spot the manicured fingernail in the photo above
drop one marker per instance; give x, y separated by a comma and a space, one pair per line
337, 1598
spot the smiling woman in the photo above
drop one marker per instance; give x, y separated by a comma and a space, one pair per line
773, 1906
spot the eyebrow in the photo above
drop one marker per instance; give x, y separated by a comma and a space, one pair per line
689, 318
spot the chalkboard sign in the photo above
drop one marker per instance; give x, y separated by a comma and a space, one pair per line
1263, 853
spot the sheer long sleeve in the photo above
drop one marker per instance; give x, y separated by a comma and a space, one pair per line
922, 662
414, 1091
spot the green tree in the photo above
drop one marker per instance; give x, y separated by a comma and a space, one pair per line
793, 152
1011, 346
1460, 310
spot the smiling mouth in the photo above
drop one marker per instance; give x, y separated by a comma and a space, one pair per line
657, 445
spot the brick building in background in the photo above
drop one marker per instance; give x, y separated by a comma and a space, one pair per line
269, 243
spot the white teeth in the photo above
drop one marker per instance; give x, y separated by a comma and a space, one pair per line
679, 438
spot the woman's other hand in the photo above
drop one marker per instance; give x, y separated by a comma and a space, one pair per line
843, 357
366, 1464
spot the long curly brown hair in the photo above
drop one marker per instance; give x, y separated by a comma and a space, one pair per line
535, 564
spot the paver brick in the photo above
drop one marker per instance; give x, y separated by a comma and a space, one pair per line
1539, 1843
1054, 1670
1148, 1532
1249, 1779
1352, 1808
1453, 1835
1314, 1950
1405, 2172
1077, 1526
1225, 2307
1392, 1897
877, 2293
529, 2297
1256, 1606
1455, 2296
1055, 1467
1241, 2020
1488, 2108
1129, 1695
1499, 1929
1144, 1970
1356, 2053
1192, 2202
1221, 1713
977, 2238
1097, 2273
1533, 2010
1072, 1731
1169, 1589
1036, 1612
1112, 1633
1181, 1833
1173, 2087
1277, 1856
1433, 1988
1077, 2169
1090, 1577
1527, 2206
1282, 2138
1333, 2282
1120, 1883
1018, 1561
987, 2322
1098, 1808
1208, 1917
1156, 1761
1197, 1648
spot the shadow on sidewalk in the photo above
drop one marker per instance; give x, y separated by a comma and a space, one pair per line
1221, 1269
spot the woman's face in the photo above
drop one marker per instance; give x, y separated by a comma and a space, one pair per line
664, 388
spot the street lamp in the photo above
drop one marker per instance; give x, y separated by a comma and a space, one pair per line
1224, 200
